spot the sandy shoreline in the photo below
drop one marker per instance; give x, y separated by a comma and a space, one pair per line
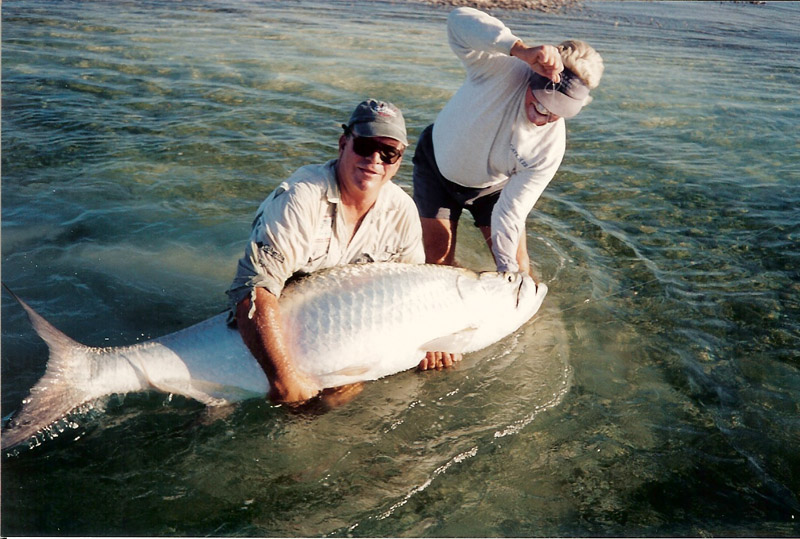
550, 6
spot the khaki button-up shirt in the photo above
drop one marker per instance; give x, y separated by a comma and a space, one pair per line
299, 228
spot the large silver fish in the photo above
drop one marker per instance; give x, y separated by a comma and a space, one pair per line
343, 325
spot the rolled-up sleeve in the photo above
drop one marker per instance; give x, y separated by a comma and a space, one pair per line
280, 241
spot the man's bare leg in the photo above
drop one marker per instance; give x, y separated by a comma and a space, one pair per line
439, 240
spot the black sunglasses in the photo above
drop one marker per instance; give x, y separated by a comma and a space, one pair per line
366, 146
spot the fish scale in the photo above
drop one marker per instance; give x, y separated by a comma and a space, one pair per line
375, 308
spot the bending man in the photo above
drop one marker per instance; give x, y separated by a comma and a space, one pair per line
498, 142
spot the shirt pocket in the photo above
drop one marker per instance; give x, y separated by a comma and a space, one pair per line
321, 244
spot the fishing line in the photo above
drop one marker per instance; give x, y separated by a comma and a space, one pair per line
656, 279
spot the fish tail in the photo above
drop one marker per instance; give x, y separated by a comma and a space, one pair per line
59, 390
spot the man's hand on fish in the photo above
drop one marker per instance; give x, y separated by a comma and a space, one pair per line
439, 360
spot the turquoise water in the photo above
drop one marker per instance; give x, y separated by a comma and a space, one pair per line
656, 393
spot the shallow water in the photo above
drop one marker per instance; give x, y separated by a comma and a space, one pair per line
656, 392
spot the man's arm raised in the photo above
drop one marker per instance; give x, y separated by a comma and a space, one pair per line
544, 59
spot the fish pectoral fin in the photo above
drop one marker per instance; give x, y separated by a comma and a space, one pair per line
454, 343
357, 370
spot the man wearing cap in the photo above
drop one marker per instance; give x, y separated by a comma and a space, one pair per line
345, 211
498, 142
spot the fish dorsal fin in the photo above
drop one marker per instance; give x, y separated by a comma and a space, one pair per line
189, 390
180, 384
453, 343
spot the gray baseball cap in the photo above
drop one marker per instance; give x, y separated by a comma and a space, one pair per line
565, 98
374, 118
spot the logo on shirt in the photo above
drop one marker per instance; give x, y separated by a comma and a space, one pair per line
269, 250
520, 158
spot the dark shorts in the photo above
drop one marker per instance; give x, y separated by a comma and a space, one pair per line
439, 198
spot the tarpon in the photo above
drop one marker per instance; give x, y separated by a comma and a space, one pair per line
343, 325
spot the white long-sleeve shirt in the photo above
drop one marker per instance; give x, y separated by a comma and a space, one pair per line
482, 137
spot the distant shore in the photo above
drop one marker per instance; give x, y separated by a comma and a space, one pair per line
549, 6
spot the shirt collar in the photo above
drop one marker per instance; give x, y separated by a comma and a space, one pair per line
333, 194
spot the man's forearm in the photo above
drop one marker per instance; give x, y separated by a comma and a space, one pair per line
262, 332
